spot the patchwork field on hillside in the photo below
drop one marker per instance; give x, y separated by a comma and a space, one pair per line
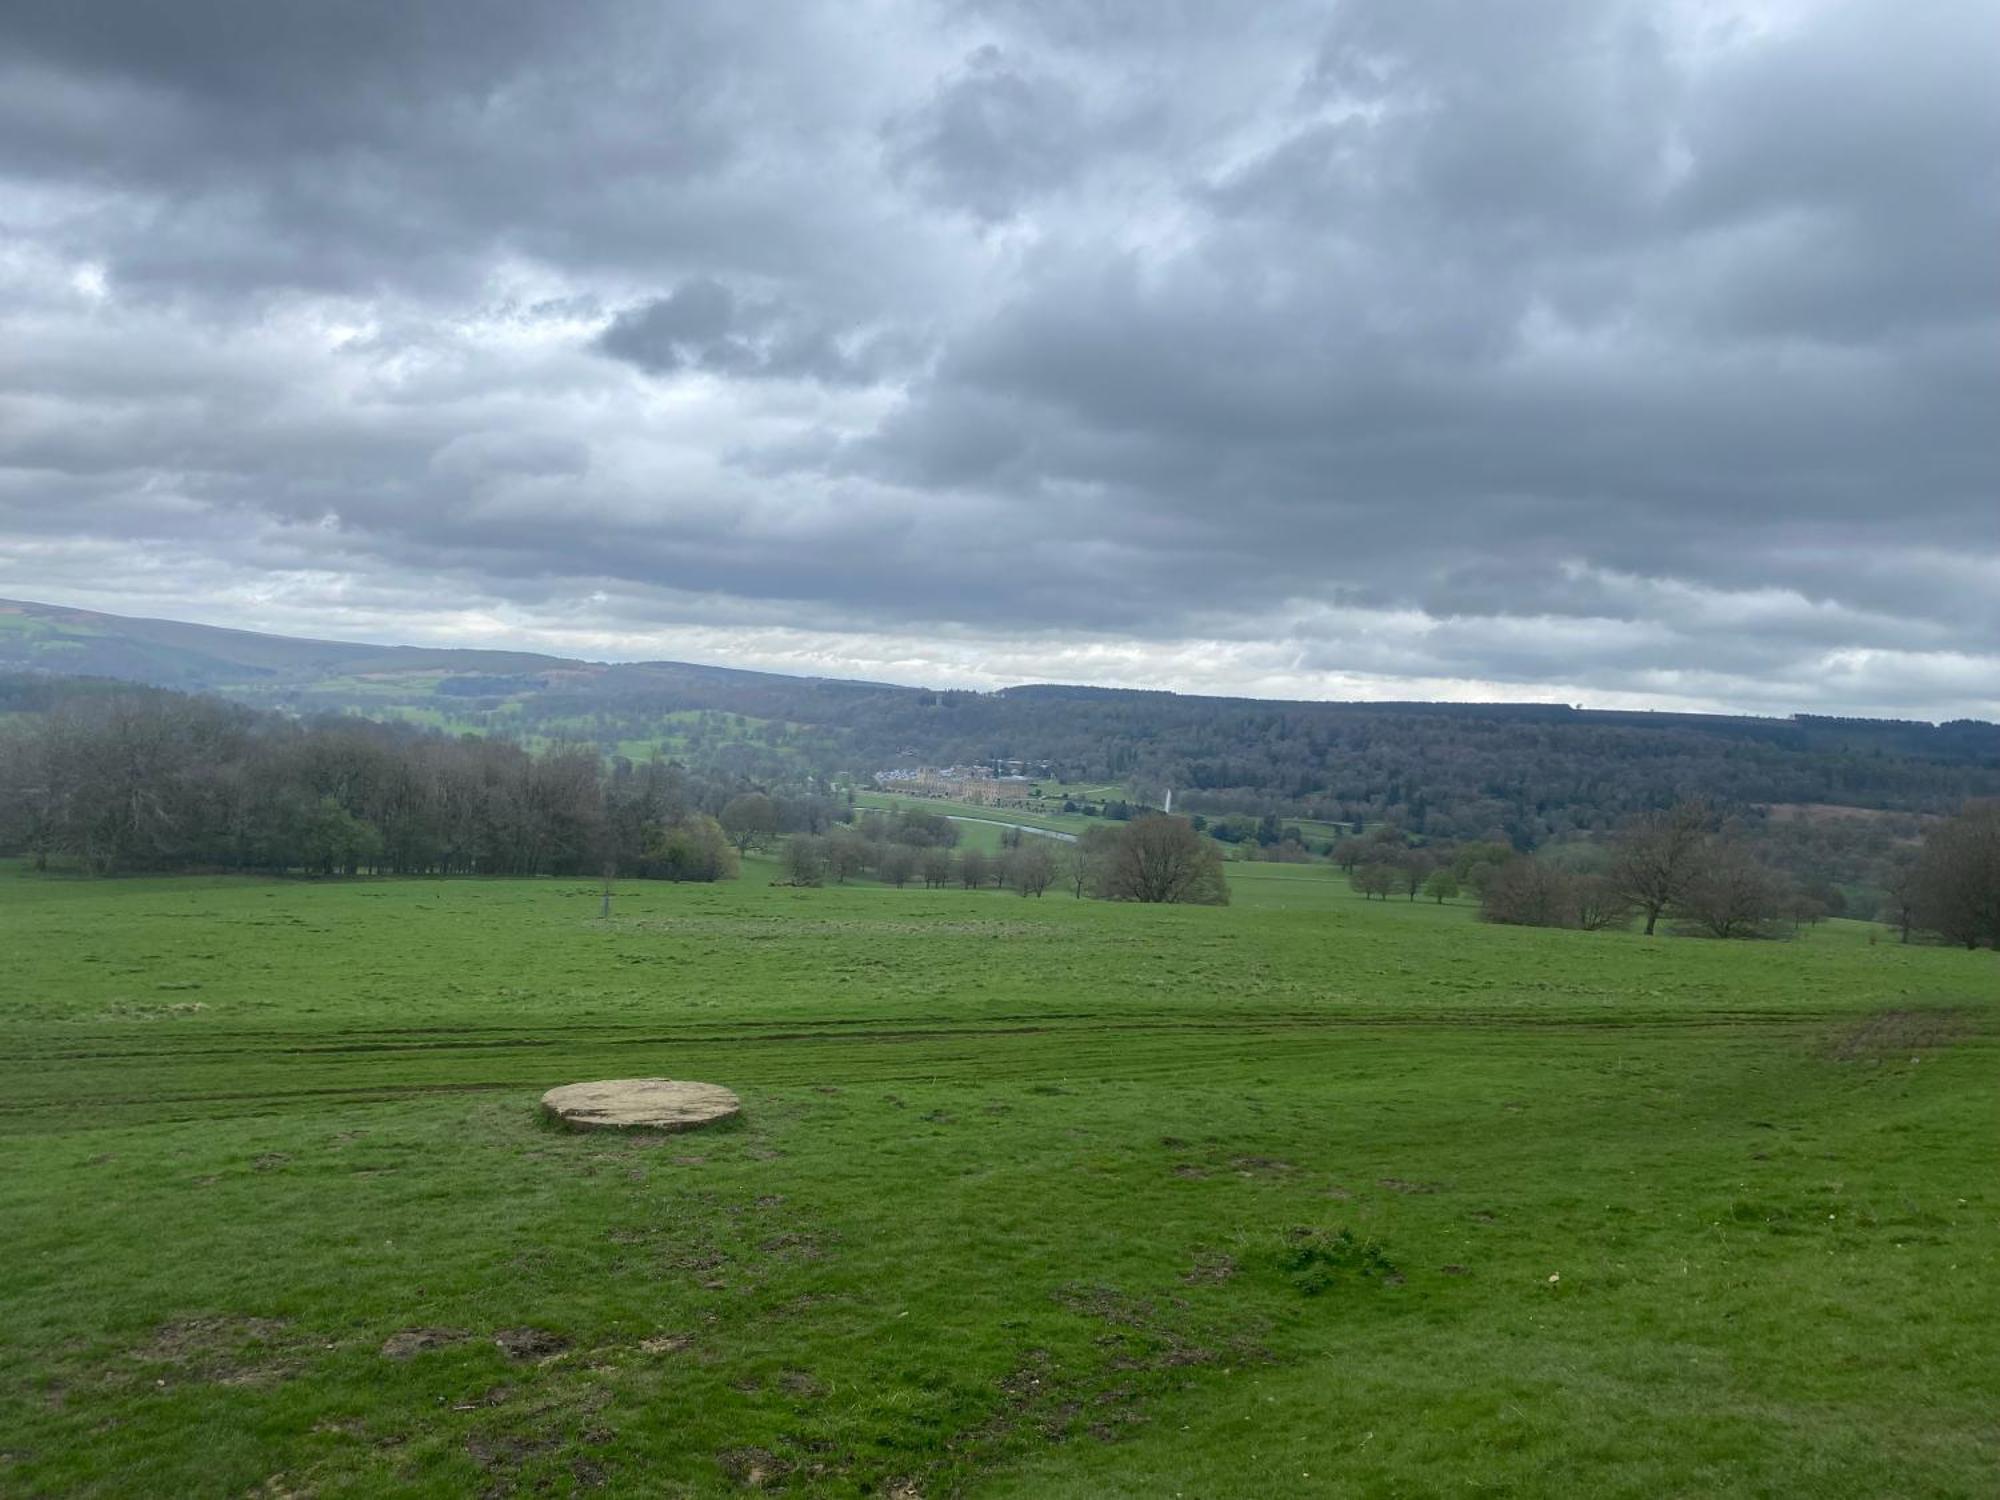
1305, 1195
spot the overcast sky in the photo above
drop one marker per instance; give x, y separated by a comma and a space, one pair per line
1612, 353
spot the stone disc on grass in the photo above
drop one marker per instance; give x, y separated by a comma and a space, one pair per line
640, 1104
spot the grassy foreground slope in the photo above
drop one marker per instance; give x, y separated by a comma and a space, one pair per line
1030, 1198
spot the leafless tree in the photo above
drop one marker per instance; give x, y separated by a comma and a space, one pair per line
749, 820
1899, 896
1956, 884
972, 868
1658, 855
805, 859
1528, 892
1731, 894
846, 855
1596, 903
896, 864
1031, 868
1086, 860
1411, 871
1374, 879
1158, 858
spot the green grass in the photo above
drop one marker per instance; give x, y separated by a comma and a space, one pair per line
1030, 1197
1053, 822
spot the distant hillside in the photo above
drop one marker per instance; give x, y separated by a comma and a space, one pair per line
246, 664
1523, 772
171, 653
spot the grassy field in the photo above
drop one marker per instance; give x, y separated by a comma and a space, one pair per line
1304, 1196
1052, 822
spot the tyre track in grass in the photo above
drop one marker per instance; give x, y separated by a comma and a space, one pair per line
1130, 1053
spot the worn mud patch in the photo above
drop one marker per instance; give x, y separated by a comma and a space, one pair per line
1150, 1333
407, 1343
1260, 1166
753, 1468
228, 1348
502, 1455
1210, 1268
793, 1246
1899, 1033
529, 1343
1405, 1185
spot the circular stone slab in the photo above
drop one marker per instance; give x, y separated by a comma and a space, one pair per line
640, 1104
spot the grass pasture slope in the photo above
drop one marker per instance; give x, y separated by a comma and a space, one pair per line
1030, 1197
1048, 822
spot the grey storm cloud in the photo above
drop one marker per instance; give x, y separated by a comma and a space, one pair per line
1636, 350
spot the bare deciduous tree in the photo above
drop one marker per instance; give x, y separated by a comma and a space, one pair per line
896, 864
805, 859
1658, 856
1031, 868
1956, 884
1528, 892
1596, 903
1374, 879
749, 820
846, 855
1731, 894
1158, 858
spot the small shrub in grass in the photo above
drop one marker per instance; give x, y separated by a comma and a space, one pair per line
1317, 1260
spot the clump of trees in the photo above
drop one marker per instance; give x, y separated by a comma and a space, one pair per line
1540, 892
1953, 889
1667, 863
139, 779
1658, 856
1156, 858
1150, 858
692, 848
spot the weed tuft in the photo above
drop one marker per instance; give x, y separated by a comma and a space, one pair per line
1318, 1260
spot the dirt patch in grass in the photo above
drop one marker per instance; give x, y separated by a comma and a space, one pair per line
793, 1246
407, 1343
225, 1348
1899, 1033
753, 1468
1210, 1268
1146, 1333
800, 1384
1261, 1166
1404, 1185
502, 1456
529, 1343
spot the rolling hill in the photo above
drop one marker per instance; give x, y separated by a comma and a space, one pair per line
1524, 772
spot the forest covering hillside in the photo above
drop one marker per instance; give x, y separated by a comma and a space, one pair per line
1525, 773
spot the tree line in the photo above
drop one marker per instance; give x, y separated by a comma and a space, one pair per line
138, 779
142, 779
1153, 858
1685, 866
